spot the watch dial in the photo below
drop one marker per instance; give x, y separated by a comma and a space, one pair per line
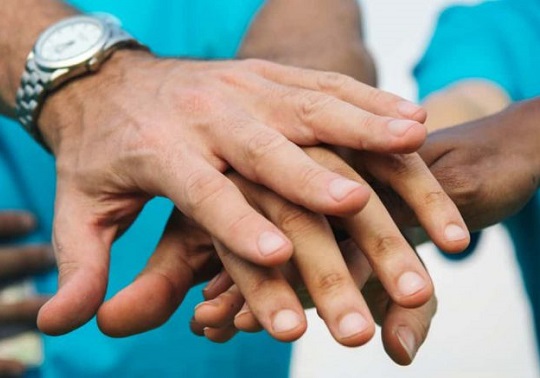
70, 40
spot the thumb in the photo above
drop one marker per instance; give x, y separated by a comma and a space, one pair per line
81, 244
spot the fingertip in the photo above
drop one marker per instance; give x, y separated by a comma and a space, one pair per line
354, 329
69, 309
287, 325
351, 197
410, 135
144, 305
274, 249
196, 327
412, 111
411, 288
220, 335
456, 238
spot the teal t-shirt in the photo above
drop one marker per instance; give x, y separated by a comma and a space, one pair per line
497, 41
203, 29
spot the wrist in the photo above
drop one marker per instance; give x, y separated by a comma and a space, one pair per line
66, 109
16, 47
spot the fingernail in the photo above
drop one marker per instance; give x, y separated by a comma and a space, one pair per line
285, 320
340, 188
407, 340
410, 283
270, 242
242, 313
213, 302
399, 127
212, 282
407, 108
453, 232
352, 324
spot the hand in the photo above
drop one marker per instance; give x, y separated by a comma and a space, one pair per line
17, 263
489, 167
144, 127
403, 329
158, 291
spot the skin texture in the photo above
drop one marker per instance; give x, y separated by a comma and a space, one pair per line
491, 166
386, 248
17, 263
187, 249
184, 125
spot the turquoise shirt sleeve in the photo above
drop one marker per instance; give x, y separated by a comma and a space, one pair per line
202, 29
495, 41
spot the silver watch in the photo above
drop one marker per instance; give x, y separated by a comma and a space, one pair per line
67, 49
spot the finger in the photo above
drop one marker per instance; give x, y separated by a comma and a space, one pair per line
221, 310
411, 179
336, 122
81, 247
20, 262
405, 330
196, 327
215, 203
220, 335
322, 269
157, 292
246, 321
389, 254
219, 284
272, 300
16, 223
344, 87
265, 156
11, 369
23, 312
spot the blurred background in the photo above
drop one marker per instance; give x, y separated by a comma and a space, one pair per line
483, 325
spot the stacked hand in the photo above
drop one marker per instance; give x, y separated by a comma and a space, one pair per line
17, 263
186, 255
144, 127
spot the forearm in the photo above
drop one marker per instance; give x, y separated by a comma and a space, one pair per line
319, 34
21, 23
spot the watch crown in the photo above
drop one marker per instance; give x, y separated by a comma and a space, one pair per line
93, 64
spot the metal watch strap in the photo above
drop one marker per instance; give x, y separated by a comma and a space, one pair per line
36, 83
30, 96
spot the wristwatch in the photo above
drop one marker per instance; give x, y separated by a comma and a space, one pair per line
68, 49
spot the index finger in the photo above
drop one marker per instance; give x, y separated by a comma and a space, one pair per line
343, 87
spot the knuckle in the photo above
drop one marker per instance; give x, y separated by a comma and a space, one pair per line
462, 185
332, 81
261, 145
201, 187
262, 286
311, 104
376, 96
308, 175
386, 245
331, 282
435, 197
402, 164
296, 220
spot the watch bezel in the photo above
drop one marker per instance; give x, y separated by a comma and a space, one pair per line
78, 59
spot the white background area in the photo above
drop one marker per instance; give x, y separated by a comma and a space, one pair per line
483, 325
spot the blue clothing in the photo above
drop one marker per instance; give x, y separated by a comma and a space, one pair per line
202, 29
497, 41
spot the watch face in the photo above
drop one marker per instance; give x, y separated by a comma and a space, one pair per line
69, 40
